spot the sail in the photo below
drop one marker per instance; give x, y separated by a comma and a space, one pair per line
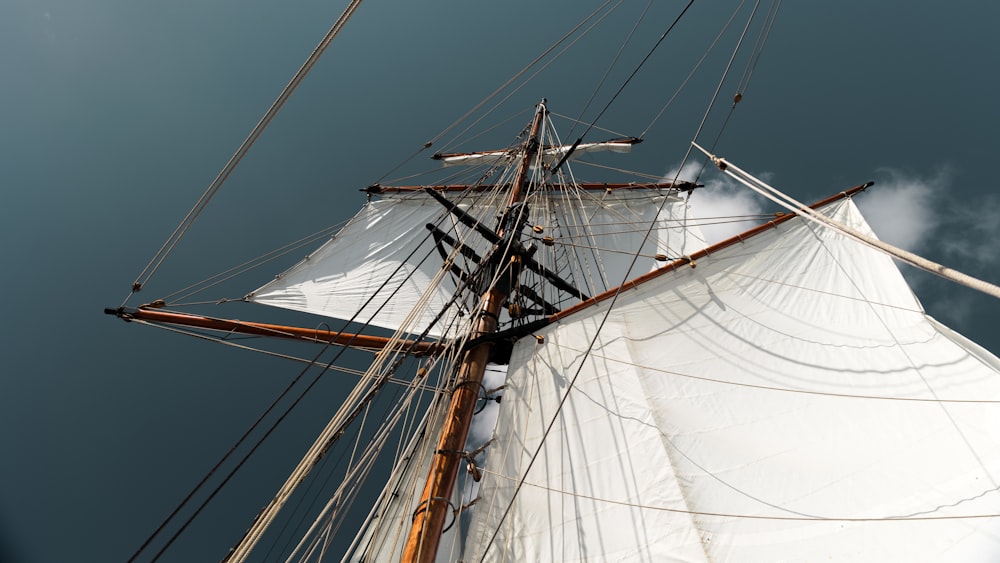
787, 398
385, 263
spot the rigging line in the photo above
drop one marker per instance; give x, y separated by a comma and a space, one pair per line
740, 88
497, 91
226, 456
402, 403
603, 250
814, 290
333, 431
218, 340
397, 482
917, 517
268, 433
576, 121
611, 66
329, 434
487, 130
779, 389
758, 49
625, 83
715, 95
445, 180
530, 78
797, 207
521, 72
569, 387
653, 177
693, 70
251, 264
333, 515
339, 514
956, 427
175, 237
247, 456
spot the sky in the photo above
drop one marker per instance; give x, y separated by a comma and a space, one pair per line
116, 115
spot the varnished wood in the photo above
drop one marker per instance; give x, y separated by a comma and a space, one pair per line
433, 509
273, 330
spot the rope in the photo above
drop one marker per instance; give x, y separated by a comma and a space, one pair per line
334, 429
626, 82
795, 206
533, 75
611, 306
611, 66
239, 269
242, 461
758, 49
189, 219
934, 400
718, 89
495, 93
693, 70
913, 517
744, 81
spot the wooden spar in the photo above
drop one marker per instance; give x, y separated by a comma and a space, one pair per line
636, 282
628, 142
278, 331
598, 186
430, 514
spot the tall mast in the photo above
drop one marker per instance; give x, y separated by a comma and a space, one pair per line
430, 515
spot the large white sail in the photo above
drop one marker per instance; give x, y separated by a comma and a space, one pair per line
786, 400
380, 266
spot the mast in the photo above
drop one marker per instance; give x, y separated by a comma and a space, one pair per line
432, 511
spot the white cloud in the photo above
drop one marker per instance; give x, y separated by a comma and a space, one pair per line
901, 210
910, 211
722, 208
919, 214
974, 230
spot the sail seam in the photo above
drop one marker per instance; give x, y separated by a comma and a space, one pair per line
780, 389
753, 516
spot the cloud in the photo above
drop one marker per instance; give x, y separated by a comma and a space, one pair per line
974, 228
917, 213
911, 211
722, 208
901, 209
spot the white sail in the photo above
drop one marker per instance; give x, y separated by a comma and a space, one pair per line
385, 260
786, 400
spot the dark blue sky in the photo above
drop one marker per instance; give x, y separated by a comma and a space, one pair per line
116, 115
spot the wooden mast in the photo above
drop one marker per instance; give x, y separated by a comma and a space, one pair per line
430, 515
